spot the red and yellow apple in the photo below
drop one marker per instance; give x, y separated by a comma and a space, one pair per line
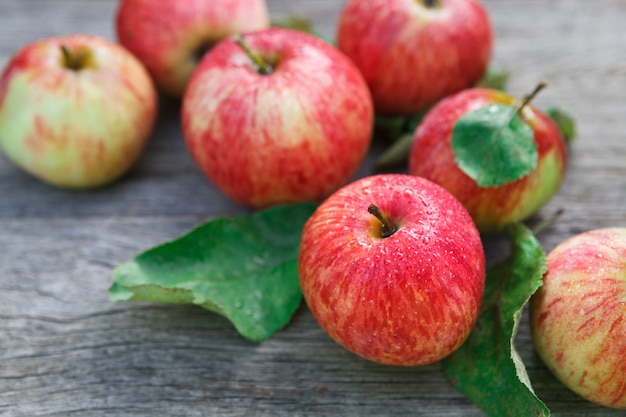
393, 269
75, 111
413, 53
492, 207
170, 36
578, 316
295, 130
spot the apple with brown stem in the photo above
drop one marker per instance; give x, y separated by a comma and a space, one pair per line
280, 117
413, 53
393, 269
76, 111
500, 156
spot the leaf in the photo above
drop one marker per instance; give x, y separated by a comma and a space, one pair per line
564, 121
244, 268
295, 22
388, 128
487, 368
494, 146
298, 22
495, 78
402, 130
397, 154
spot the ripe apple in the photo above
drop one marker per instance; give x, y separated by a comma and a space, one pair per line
393, 269
171, 36
281, 117
492, 207
413, 53
578, 316
75, 111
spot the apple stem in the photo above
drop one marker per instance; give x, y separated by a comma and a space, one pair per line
529, 97
388, 228
74, 61
262, 67
432, 4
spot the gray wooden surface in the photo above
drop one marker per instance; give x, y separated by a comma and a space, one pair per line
65, 350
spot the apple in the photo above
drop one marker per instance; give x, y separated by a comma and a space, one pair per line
393, 269
413, 53
492, 207
578, 316
171, 36
76, 111
279, 117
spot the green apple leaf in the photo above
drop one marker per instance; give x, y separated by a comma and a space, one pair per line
495, 78
298, 22
293, 21
564, 121
401, 131
494, 146
244, 268
487, 368
387, 129
395, 155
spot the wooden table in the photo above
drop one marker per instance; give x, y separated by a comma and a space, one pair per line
66, 350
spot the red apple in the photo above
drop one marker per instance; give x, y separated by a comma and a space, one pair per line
413, 53
296, 133
393, 269
170, 36
75, 111
432, 156
578, 316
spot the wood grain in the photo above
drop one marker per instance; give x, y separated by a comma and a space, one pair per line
65, 350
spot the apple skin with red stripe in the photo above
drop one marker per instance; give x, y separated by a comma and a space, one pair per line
408, 298
413, 53
170, 36
492, 208
578, 316
295, 134
76, 111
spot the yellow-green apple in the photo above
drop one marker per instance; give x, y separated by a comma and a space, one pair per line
578, 316
280, 117
413, 53
501, 157
76, 111
393, 269
171, 36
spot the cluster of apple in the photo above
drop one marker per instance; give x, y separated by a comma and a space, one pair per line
391, 265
